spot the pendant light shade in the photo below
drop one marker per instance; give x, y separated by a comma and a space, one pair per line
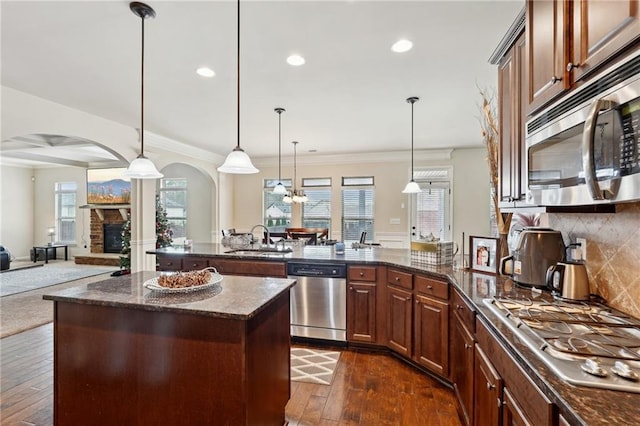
279, 188
412, 187
238, 162
142, 167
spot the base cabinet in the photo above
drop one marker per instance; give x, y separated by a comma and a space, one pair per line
361, 312
487, 395
431, 334
361, 303
399, 317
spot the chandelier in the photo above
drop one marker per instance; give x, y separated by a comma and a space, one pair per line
296, 196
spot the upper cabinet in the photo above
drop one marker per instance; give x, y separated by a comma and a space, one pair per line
568, 39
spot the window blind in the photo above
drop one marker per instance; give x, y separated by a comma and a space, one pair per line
357, 213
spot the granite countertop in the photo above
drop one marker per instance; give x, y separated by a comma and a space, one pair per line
578, 404
235, 297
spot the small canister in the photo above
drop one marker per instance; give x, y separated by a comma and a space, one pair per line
339, 248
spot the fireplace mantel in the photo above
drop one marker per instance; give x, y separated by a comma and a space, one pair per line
99, 208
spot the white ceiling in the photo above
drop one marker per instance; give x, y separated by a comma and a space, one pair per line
349, 97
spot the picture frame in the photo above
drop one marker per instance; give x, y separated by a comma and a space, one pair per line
483, 254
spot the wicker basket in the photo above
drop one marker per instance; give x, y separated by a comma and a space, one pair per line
432, 252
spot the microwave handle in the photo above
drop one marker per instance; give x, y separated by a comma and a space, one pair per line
588, 138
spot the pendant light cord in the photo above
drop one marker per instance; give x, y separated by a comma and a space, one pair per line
238, 71
295, 161
142, 92
279, 111
412, 140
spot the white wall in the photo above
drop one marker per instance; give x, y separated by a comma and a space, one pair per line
17, 210
470, 190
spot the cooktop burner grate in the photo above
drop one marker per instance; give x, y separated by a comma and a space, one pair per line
587, 344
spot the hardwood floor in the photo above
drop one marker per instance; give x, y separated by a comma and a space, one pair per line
367, 389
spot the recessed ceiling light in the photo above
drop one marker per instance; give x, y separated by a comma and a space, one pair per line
402, 46
205, 72
295, 60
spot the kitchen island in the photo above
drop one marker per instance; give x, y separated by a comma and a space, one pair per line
567, 404
126, 355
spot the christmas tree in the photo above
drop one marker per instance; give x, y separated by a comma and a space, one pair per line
164, 235
163, 230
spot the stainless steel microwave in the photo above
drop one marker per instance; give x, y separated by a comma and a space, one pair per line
584, 149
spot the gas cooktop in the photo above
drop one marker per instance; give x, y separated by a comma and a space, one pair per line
586, 344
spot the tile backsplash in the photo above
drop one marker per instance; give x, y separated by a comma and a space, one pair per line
613, 252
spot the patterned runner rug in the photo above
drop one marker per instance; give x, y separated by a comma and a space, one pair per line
313, 365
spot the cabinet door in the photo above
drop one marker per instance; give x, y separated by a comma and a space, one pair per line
431, 334
487, 398
545, 28
361, 312
462, 348
512, 413
600, 30
399, 320
506, 103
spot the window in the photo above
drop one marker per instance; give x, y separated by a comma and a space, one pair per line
431, 207
173, 197
316, 212
276, 213
66, 211
357, 208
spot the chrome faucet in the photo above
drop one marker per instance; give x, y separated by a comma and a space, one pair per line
265, 228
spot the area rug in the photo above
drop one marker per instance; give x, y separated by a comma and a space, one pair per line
34, 278
313, 365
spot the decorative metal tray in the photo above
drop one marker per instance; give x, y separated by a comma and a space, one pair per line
153, 285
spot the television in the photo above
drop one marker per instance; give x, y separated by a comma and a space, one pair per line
108, 186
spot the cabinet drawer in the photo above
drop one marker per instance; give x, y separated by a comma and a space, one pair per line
169, 263
194, 263
432, 287
362, 273
466, 313
245, 267
400, 279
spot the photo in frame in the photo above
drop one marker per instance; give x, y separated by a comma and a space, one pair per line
483, 252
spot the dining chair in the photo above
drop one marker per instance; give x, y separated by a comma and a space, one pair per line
310, 238
228, 232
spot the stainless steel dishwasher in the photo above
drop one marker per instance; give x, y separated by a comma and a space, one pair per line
319, 300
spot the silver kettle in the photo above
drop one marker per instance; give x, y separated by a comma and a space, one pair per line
568, 280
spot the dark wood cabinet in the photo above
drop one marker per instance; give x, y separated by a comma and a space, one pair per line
249, 267
512, 413
600, 30
545, 28
569, 39
462, 342
194, 263
487, 395
399, 318
169, 263
431, 325
512, 77
522, 402
361, 304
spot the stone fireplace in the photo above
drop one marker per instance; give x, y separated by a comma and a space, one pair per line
105, 234
101, 219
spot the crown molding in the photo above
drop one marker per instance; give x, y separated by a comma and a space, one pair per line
364, 157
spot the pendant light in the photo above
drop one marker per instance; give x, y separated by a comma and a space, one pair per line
238, 162
279, 188
296, 196
142, 167
412, 187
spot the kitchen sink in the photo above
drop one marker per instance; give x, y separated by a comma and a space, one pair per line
264, 252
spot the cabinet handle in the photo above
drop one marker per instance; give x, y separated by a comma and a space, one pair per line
467, 346
459, 307
407, 298
362, 274
500, 403
397, 278
571, 66
417, 302
170, 263
555, 79
351, 288
429, 287
490, 386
